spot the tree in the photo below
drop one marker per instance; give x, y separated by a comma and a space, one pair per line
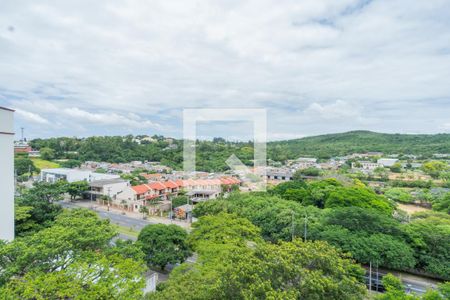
358, 196
442, 203
434, 168
47, 153
89, 277
143, 210
396, 168
163, 244
429, 237
74, 258
23, 222
40, 198
71, 163
311, 171
77, 188
179, 200
24, 166
394, 289
398, 195
238, 264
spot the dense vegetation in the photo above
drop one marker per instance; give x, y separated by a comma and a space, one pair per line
71, 259
211, 155
353, 218
234, 262
296, 241
328, 145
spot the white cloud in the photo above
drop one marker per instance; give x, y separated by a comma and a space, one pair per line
113, 119
31, 117
337, 110
131, 61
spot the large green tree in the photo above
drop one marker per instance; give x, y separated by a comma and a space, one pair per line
163, 244
24, 165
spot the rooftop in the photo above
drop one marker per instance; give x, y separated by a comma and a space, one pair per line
103, 182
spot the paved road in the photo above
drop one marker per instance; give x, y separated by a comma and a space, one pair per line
117, 219
413, 284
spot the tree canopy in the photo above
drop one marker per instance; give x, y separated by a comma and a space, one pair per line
163, 244
238, 264
74, 258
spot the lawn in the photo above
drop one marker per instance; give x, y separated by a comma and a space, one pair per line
127, 231
44, 164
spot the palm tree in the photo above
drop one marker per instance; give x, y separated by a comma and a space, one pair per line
143, 210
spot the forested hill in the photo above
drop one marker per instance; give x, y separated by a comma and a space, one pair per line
360, 141
211, 155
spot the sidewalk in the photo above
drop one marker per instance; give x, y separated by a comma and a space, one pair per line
150, 219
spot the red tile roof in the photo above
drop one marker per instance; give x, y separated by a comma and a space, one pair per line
157, 186
141, 189
229, 180
171, 184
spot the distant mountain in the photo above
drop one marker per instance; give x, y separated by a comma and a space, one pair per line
360, 141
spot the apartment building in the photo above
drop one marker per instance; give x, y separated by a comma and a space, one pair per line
7, 174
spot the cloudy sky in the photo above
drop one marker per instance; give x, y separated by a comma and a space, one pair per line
81, 68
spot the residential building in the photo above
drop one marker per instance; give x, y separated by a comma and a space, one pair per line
34, 153
7, 174
22, 147
366, 165
108, 187
72, 175
387, 162
279, 174
156, 195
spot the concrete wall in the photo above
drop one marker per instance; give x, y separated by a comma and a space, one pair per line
6, 175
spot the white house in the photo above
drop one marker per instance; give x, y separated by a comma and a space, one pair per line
6, 174
108, 187
72, 175
366, 165
387, 162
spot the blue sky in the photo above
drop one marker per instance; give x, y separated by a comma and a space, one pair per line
81, 68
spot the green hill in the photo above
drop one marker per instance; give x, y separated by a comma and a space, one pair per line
360, 141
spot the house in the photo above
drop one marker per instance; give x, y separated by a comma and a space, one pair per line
22, 147
7, 174
153, 177
366, 165
156, 195
72, 175
135, 196
34, 153
108, 187
303, 163
387, 162
279, 174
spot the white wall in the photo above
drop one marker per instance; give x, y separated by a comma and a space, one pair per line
115, 188
6, 175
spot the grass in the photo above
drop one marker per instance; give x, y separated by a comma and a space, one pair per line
44, 164
127, 231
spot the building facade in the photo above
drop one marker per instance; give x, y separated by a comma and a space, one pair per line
72, 175
6, 174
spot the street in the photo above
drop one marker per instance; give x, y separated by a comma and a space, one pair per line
115, 218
